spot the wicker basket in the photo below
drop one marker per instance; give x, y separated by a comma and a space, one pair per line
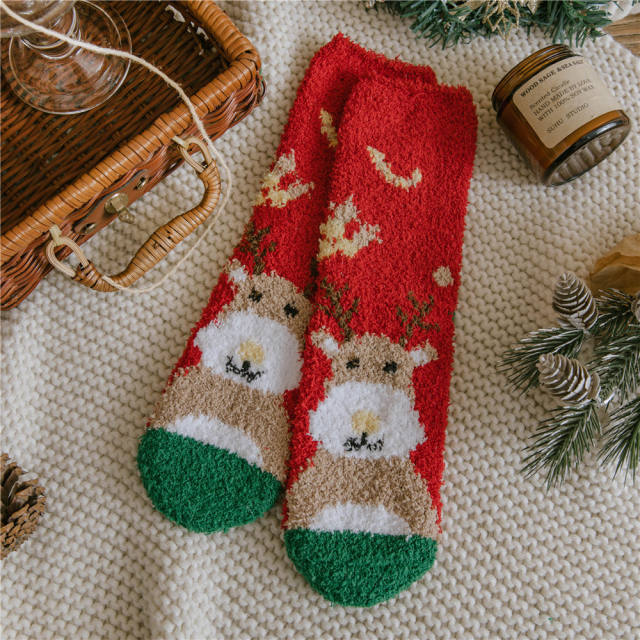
47, 179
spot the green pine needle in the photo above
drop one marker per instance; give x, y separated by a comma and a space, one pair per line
617, 362
615, 313
440, 22
561, 442
449, 22
622, 439
520, 363
571, 21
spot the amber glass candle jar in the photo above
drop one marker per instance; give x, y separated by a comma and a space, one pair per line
559, 114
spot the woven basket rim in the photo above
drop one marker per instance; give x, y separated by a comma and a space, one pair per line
244, 63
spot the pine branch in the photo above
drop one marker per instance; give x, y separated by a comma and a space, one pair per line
571, 20
561, 441
615, 313
617, 363
622, 439
520, 363
449, 22
440, 22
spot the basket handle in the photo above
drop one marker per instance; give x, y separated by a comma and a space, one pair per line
163, 240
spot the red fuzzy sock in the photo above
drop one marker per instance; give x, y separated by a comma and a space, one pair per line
363, 494
215, 453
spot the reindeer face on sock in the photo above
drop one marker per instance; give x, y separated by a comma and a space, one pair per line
256, 340
368, 411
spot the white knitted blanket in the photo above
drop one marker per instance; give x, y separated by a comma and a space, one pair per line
81, 371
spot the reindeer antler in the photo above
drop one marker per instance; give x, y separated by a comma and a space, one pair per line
422, 310
337, 310
312, 285
250, 245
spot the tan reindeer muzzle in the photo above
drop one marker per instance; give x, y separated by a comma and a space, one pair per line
365, 422
251, 351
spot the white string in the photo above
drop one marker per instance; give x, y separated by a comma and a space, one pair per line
183, 96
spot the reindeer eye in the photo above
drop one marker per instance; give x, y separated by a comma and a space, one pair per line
390, 367
290, 310
354, 363
255, 296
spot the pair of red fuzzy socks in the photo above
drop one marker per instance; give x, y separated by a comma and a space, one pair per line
322, 360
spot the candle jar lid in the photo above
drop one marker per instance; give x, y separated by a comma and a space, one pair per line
559, 114
526, 69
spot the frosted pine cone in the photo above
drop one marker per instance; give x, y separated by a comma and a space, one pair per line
567, 379
573, 301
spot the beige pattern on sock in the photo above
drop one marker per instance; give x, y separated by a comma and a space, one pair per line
392, 483
378, 159
333, 238
262, 417
285, 165
327, 128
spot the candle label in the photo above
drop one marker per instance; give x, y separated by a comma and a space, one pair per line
561, 98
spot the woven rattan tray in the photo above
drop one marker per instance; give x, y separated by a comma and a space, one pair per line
63, 170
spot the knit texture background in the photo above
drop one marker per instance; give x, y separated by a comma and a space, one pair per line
82, 371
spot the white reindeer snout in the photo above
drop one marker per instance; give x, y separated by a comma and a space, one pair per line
252, 350
366, 420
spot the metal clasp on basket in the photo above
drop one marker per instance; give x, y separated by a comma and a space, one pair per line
118, 205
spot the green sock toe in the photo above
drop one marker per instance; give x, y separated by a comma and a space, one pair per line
201, 487
359, 569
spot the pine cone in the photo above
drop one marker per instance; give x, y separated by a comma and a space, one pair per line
567, 379
22, 505
573, 301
